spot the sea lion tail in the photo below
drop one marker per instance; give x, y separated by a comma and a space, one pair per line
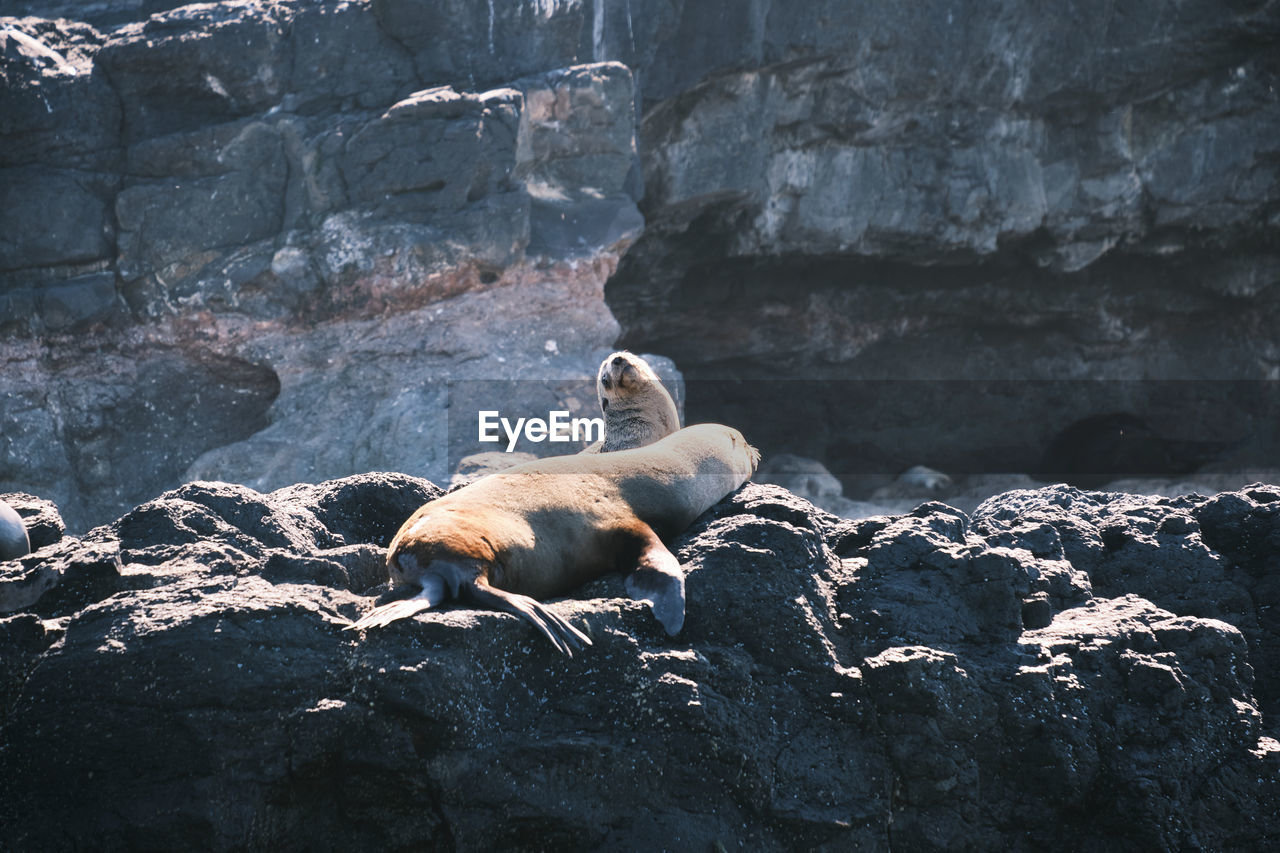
555, 628
433, 593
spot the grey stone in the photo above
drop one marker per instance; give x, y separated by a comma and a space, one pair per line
473, 466
487, 44
79, 301
421, 155
163, 221
563, 229
804, 477
51, 217
343, 58
580, 130
806, 169
290, 263
197, 66
412, 385
100, 13
56, 108
579, 154
132, 422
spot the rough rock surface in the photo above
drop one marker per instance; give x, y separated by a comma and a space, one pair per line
867, 195
274, 242
258, 240
1064, 671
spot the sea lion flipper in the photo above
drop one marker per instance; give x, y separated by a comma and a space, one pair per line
562, 635
659, 580
433, 593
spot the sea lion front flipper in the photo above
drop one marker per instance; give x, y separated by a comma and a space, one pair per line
562, 635
433, 593
659, 580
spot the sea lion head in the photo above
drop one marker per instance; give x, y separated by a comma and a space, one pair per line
724, 458
623, 374
744, 458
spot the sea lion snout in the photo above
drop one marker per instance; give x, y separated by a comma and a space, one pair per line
625, 374
745, 458
619, 372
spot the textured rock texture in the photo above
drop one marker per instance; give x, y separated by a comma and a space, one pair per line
1065, 670
266, 241
275, 242
860, 193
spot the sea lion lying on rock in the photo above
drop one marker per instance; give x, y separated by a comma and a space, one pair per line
540, 529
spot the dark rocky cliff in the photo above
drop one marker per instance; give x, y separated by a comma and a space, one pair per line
941, 193
255, 241
1065, 670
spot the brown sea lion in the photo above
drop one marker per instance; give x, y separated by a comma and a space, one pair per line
540, 529
636, 406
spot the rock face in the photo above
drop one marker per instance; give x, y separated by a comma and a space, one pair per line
866, 196
274, 242
1064, 670
270, 241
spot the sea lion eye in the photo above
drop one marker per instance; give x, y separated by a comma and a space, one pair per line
606, 382
604, 403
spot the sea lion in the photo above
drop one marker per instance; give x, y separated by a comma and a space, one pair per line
540, 529
636, 406
14, 542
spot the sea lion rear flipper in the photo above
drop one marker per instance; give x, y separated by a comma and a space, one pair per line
562, 635
659, 580
433, 593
